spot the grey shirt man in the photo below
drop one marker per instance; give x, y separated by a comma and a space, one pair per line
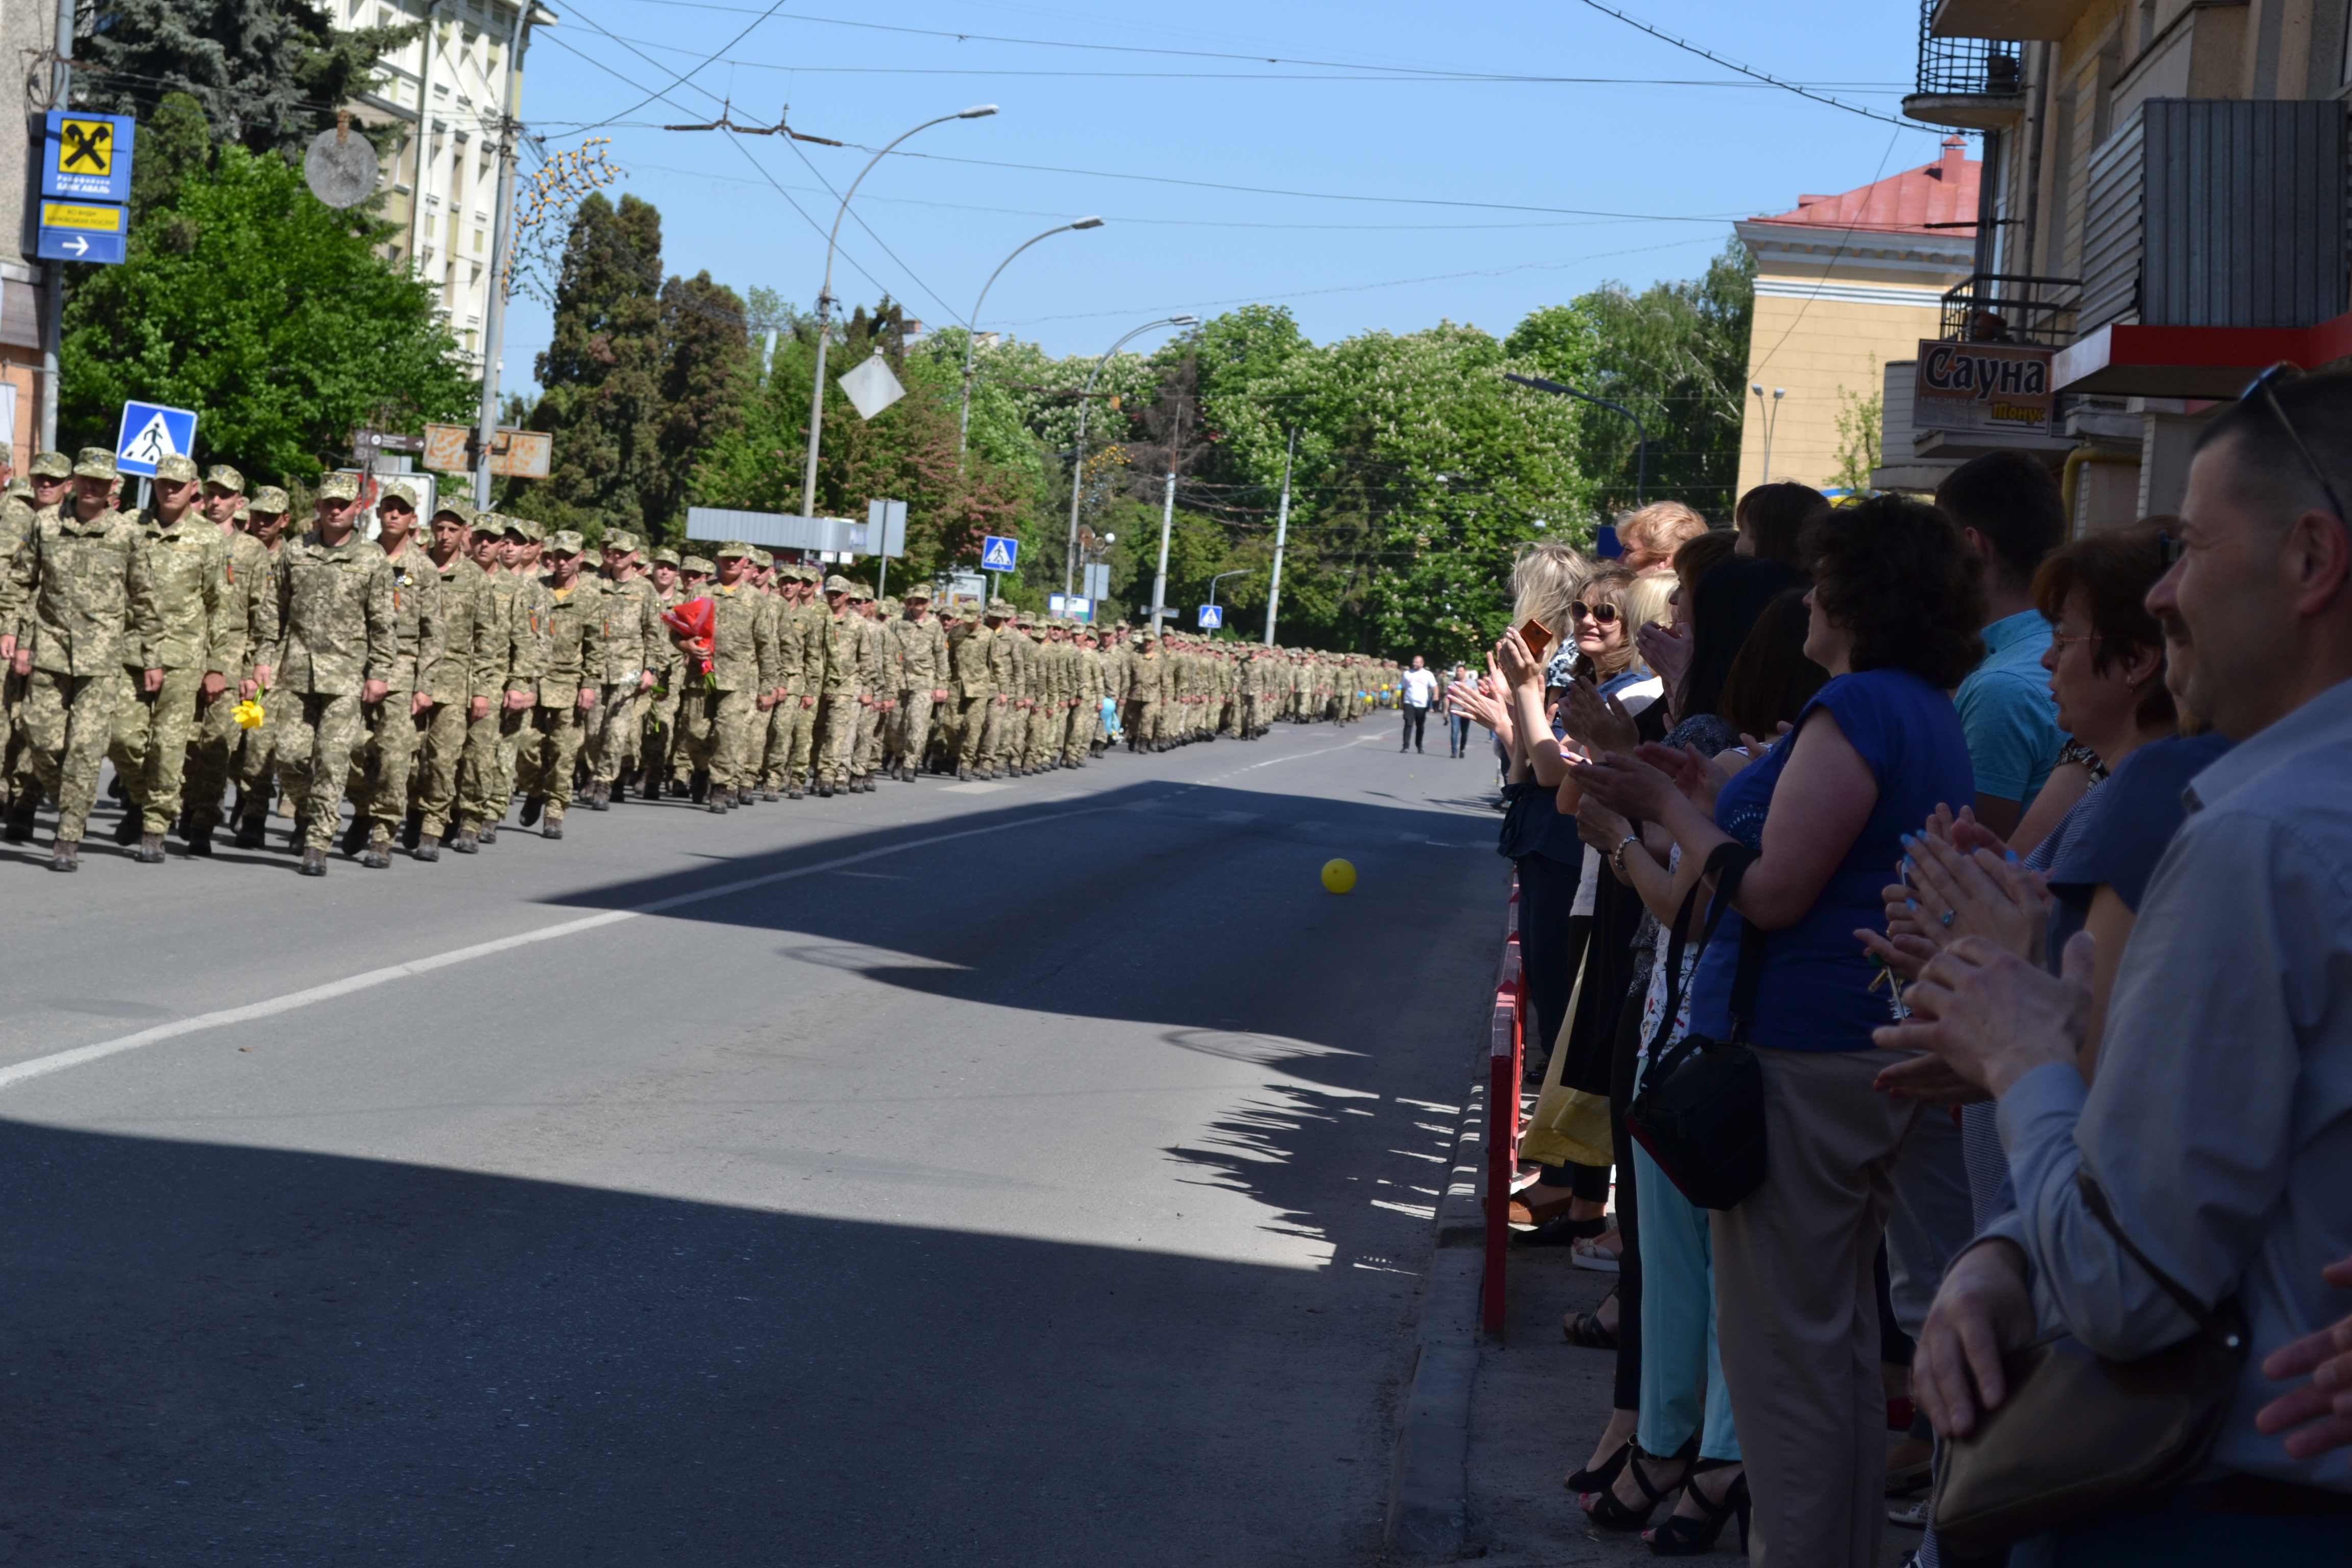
2220, 1123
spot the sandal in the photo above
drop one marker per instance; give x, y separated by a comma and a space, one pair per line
1683, 1536
1609, 1513
1561, 1231
1588, 1253
1599, 1478
1587, 1330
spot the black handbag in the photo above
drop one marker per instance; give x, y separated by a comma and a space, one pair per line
2081, 1436
1700, 1109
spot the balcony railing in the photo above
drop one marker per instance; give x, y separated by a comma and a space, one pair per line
2012, 308
1966, 67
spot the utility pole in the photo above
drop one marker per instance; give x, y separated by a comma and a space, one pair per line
1167, 516
502, 243
1281, 536
53, 273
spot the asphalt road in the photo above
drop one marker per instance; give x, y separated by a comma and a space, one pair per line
1032, 1173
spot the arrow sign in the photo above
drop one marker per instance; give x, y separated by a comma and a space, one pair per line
77, 245
997, 554
152, 432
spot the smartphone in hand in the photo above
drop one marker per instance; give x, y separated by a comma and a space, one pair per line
1537, 636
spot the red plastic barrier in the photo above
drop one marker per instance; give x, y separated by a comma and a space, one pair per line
1506, 1054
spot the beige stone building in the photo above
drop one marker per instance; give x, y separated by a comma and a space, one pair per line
2122, 138
1846, 286
448, 91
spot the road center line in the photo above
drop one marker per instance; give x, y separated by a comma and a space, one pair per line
40, 1067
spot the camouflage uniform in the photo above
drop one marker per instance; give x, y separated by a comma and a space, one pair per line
254, 766
336, 604
1145, 690
715, 719
81, 603
470, 640
382, 773
875, 685
922, 658
659, 738
838, 706
805, 680
973, 675
631, 629
250, 626
506, 661
17, 513
574, 662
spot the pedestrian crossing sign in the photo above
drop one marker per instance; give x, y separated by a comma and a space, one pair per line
1212, 617
997, 554
150, 433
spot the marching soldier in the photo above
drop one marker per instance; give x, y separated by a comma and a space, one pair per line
52, 475
256, 766
462, 681
509, 667
923, 665
396, 726
838, 704
335, 602
716, 718
569, 677
632, 628
78, 622
660, 733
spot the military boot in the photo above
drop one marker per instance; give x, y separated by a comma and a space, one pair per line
248, 833
531, 806
697, 789
599, 797
65, 854
126, 832
355, 837
314, 862
487, 834
465, 843
20, 822
200, 841
411, 832
377, 855
151, 849
715, 800
427, 846
554, 828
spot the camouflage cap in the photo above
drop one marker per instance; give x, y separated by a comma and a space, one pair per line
20, 487
697, 563
175, 469
94, 463
529, 528
838, 584
270, 499
565, 541
53, 466
457, 506
226, 477
1000, 608
734, 547
890, 606
399, 490
1141, 634
918, 592
859, 593
340, 487
664, 556
621, 539
763, 558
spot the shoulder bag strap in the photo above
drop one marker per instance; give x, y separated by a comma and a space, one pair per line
1727, 864
2101, 1210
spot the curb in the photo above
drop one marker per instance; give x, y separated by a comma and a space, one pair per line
1429, 1479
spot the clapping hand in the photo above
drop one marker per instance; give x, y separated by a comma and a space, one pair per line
1631, 786
1991, 1017
2322, 1408
1520, 666
1597, 724
1667, 650
1947, 893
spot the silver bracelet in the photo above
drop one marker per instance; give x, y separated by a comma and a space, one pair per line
1617, 855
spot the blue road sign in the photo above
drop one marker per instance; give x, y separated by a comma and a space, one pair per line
1212, 617
87, 157
150, 433
81, 231
997, 554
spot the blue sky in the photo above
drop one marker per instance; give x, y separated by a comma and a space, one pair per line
1403, 200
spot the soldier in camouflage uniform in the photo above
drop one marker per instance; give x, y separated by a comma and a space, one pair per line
507, 666
969, 673
395, 727
923, 681
660, 733
875, 686
1146, 694
838, 704
79, 605
251, 626
460, 683
52, 475
187, 569
792, 725
335, 604
571, 677
632, 629
255, 768
766, 748
718, 709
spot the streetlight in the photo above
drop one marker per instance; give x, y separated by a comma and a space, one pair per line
971, 327
1772, 413
824, 300
1242, 572
1078, 461
1640, 436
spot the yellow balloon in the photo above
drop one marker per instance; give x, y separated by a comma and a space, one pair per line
1338, 877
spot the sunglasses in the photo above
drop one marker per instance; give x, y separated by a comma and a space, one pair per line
2265, 387
1605, 614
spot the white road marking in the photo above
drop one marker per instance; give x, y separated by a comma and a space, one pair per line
40, 1067
978, 786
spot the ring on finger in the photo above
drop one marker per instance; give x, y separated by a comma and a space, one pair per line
1946, 918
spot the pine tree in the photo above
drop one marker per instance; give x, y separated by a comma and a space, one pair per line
706, 377
268, 74
602, 374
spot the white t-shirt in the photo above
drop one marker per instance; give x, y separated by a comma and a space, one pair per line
1420, 688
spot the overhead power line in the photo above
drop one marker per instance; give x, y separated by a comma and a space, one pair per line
661, 93
1770, 80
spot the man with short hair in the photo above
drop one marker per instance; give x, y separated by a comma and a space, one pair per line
2217, 1127
396, 726
254, 768
461, 681
509, 657
1418, 694
2011, 511
716, 717
659, 734
571, 677
632, 610
335, 603
838, 704
77, 604
251, 630
187, 569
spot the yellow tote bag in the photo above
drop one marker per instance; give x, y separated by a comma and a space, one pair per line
1570, 1126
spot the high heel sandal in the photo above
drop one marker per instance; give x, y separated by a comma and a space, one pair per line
1587, 1330
1599, 1478
1683, 1536
1611, 1514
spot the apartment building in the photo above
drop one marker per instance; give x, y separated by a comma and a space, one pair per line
448, 91
2163, 212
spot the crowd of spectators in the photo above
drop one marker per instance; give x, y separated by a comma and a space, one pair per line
2042, 948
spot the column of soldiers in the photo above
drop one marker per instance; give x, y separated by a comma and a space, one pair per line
432, 674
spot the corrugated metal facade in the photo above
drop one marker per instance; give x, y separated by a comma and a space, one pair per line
2245, 212
2111, 228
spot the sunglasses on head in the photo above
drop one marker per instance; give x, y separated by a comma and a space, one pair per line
2265, 387
1605, 614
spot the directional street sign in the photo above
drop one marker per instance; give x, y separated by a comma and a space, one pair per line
997, 554
1212, 617
81, 231
151, 433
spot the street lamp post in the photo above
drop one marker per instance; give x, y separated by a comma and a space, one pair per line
971, 327
1772, 413
824, 300
1078, 458
1641, 436
1220, 577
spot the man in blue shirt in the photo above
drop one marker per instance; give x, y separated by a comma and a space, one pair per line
2010, 508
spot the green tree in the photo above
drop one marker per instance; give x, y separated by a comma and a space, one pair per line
1860, 423
268, 75
706, 380
245, 297
602, 375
